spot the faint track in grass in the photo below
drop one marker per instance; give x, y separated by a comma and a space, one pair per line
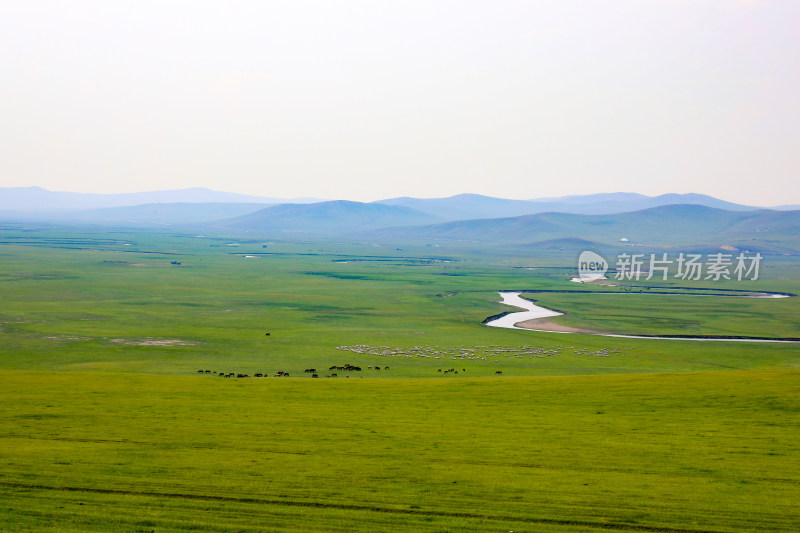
355, 507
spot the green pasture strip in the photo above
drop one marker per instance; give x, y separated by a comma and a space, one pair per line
110, 310
713, 451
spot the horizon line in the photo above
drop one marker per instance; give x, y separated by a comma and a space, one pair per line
318, 200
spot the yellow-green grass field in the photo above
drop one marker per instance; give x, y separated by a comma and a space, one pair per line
90, 451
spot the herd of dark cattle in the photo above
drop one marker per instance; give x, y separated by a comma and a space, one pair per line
313, 371
281, 374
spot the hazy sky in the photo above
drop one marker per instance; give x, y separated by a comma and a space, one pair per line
365, 100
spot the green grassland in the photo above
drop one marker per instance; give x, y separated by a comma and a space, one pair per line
106, 424
664, 452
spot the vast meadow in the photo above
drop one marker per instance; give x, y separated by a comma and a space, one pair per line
115, 416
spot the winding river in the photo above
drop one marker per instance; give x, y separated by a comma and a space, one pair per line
533, 311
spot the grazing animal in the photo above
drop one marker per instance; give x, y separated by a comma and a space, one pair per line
199, 371
208, 371
386, 368
259, 375
499, 372
314, 375
242, 376
440, 370
267, 335
222, 374
333, 375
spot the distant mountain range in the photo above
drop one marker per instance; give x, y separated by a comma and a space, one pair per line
458, 207
471, 206
688, 226
570, 222
36, 199
663, 226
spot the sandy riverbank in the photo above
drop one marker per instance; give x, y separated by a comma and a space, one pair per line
548, 324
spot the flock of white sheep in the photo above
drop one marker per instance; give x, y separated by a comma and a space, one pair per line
477, 352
